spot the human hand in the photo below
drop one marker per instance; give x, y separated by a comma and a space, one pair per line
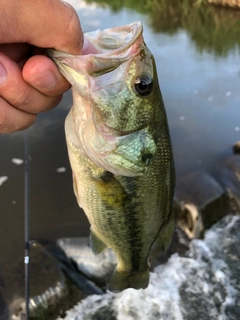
30, 82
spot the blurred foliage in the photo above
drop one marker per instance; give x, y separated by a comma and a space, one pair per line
213, 29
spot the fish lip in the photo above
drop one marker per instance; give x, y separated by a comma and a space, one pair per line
57, 55
136, 27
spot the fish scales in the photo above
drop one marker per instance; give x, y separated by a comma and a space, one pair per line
120, 150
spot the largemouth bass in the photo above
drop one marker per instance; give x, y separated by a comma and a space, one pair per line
120, 150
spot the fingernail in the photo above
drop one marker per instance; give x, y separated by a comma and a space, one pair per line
44, 80
3, 74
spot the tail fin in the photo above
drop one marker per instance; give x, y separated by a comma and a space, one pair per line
124, 280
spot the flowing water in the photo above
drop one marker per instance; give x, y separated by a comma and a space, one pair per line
197, 54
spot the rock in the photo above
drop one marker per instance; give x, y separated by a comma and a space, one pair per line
97, 268
179, 244
228, 175
227, 3
206, 194
69, 267
202, 199
189, 219
203, 285
55, 284
236, 147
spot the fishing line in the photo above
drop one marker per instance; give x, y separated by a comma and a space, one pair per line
26, 219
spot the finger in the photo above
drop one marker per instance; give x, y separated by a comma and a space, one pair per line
15, 51
12, 119
19, 94
41, 73
45, 24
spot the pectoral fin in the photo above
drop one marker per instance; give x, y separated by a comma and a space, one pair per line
166, 233
96, 244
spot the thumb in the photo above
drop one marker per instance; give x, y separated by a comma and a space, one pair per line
42, 23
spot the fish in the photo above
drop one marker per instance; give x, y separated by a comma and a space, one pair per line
120, 149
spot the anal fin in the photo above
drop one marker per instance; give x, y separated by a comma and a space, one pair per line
96, 244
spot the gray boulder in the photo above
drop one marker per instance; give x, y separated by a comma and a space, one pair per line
55, 284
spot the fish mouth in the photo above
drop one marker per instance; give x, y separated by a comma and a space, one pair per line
109, 49
116, 40
112, 41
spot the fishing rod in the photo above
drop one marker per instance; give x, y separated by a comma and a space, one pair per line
26, 220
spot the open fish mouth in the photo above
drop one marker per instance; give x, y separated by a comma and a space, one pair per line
111, 47
113, 41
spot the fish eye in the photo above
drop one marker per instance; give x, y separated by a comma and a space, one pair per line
143, 85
